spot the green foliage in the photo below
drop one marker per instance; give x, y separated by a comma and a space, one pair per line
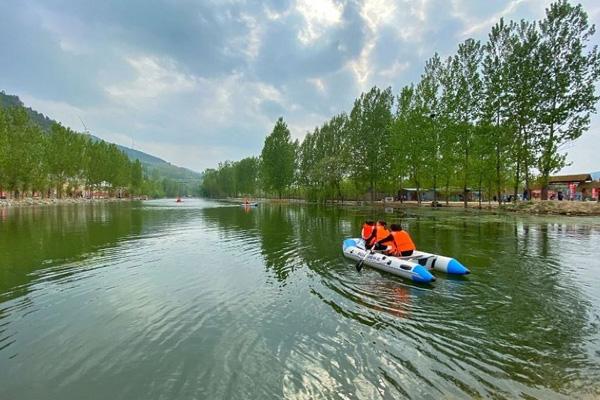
188, 178
246, 175
59, 161
39, 155
568, 88
22, 155
278, 159
369, 130
137, 178
231, 179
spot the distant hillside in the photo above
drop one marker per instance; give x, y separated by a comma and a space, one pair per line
7, 100
152, 164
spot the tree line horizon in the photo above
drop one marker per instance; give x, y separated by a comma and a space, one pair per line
486, 117
59, 162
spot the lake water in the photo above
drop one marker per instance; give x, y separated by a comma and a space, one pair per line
159, 300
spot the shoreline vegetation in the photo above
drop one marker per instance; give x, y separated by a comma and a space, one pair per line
533, 207
488, 123
37, 201
53, 161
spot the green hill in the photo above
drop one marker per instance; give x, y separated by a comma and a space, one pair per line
151, 164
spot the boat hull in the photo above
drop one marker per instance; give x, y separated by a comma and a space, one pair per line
404, 268
433, 262
438, 263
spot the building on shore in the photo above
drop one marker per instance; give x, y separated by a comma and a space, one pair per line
570, 187
454, 194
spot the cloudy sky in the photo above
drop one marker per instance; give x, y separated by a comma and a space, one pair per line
197, 82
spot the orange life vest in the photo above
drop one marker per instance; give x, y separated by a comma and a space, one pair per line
367, 231
402, 241
382, 233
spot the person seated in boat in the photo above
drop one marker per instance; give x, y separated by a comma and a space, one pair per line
403, 243
368, 232
384, 241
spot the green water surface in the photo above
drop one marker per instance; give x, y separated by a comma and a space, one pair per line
205, 300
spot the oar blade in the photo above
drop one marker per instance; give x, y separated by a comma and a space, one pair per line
359, 265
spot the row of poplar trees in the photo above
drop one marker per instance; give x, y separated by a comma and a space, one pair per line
58, 162
485, 119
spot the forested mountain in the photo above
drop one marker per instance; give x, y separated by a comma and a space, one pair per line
153, 165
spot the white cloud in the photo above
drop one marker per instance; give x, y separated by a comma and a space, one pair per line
475, 25
319, 16
361, 66
250, 41
154, 77
376, 13
407, 19
318, 83
235, 97
395, 69
68, 31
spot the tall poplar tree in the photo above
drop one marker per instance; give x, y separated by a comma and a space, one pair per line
429, 91
369, 125
465, 96
524, 76
278, 159
496, 129
570, 71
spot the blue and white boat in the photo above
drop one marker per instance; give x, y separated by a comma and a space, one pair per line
408, 269
403, 266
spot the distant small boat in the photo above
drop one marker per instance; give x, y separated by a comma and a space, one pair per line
249, 205
178, 200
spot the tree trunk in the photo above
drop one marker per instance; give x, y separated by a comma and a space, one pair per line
544, 192
517, 174
546, 159
466, 177
447, 190
435, 189
479, 194
498, 183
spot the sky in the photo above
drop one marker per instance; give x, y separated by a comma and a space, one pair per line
199, 82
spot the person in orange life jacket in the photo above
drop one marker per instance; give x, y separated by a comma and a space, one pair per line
384, 240
403, 244
368, 232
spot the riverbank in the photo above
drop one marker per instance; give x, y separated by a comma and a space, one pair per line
536, 207
33, 202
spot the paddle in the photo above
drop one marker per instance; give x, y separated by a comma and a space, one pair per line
360, 263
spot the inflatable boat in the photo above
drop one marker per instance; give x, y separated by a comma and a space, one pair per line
438, 263
408, 269
432, 262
